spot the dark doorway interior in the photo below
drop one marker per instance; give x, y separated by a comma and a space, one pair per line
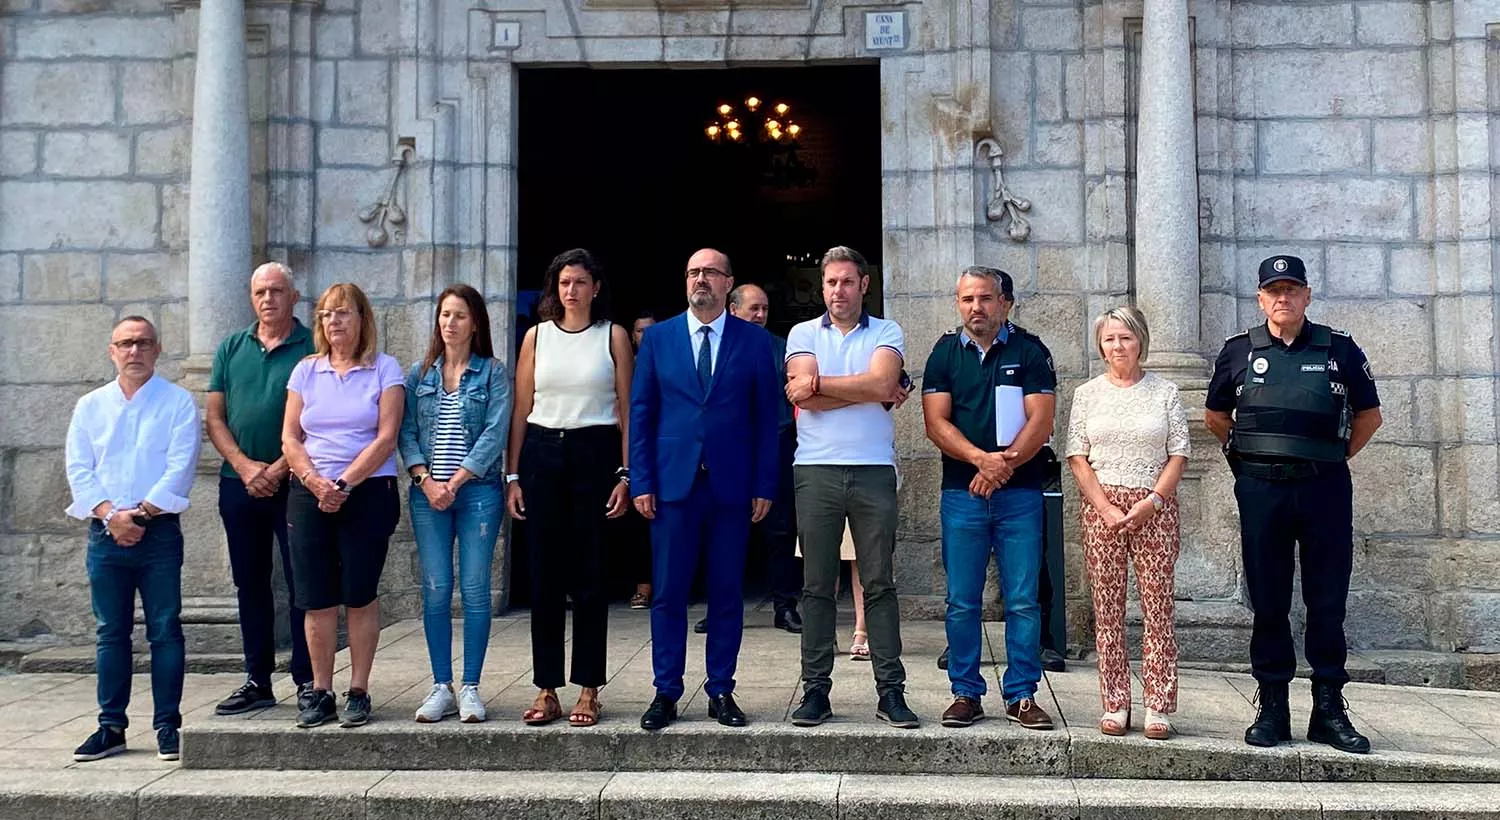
619, 162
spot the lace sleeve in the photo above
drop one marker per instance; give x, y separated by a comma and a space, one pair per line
1179, 443
1078, 436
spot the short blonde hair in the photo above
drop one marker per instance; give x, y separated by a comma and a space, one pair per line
1134, 321
342, 294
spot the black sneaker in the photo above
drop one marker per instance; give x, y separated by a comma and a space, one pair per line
101, 744
356, 709
305, 692
320, 709
814, 710
892, 709
247, 698
168, 743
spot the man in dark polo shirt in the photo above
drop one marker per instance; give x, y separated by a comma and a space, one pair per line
245, 403
988, 395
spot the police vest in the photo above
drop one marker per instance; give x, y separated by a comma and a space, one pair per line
1289, 406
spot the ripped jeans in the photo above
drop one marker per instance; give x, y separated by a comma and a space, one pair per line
474, 520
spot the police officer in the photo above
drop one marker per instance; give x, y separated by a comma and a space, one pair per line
1293, 401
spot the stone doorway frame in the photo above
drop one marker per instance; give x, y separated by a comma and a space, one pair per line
456, 94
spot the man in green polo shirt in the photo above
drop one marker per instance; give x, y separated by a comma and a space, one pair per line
988, 395
246, 401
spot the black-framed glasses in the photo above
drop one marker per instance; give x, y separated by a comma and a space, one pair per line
705, 273
127, 345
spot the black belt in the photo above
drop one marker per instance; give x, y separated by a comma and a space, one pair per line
1281, 471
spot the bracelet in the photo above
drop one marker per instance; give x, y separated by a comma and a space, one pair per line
509, 477
111, 514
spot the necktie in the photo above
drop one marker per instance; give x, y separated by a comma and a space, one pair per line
705, 358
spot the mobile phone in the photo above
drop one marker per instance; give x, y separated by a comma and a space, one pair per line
905, 385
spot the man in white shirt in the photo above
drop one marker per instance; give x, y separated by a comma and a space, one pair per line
840, 368
131, 453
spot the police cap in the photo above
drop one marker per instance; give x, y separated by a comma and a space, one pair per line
1282, 269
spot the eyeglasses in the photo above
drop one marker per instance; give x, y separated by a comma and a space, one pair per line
705, 273
340, 314
127, 345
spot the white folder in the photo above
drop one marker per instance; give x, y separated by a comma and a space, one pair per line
1010, 413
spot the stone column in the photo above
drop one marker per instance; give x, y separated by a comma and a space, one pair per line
219, 266
219, 218
1166, 211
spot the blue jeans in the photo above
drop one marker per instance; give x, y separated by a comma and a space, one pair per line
1009, 524
474, 517
153, 566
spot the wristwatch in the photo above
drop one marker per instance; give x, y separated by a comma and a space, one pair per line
509, 477
416, 480
1157, 501
342, 486
623, 475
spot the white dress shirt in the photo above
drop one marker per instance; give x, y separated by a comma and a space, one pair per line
715, 337
126, 451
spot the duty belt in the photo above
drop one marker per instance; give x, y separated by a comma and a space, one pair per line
1280, 471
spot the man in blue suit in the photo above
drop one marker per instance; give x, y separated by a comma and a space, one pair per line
703, 455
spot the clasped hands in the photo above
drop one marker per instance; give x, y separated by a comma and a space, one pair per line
330, 498
1121, 521
995, 470
261, 480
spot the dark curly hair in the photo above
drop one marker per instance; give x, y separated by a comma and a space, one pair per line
550, 307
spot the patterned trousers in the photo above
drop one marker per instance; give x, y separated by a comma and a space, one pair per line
1153, 549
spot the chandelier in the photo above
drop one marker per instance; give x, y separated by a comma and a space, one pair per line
774, 123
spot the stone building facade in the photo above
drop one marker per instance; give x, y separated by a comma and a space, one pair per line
1362, 135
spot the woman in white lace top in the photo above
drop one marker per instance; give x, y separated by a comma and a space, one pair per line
1127, 447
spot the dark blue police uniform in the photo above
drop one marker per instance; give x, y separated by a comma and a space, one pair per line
1288, 448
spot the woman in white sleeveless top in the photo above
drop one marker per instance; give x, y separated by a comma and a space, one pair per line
568, 450
1127, 446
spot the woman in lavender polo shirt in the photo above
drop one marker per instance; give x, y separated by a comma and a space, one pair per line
343, 413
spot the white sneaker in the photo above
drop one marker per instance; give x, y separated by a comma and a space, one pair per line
470, 704
438, 705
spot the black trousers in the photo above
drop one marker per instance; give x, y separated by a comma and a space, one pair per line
566, 479
255, 527
1309, 520
780, 531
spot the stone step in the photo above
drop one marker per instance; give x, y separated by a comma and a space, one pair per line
79, 660
993, 747
101, 791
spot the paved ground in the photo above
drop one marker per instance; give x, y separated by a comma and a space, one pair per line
44, 716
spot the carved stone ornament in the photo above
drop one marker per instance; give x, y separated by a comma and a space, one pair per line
1002, 202
386, 209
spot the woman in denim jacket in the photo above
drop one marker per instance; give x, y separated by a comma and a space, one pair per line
458, 404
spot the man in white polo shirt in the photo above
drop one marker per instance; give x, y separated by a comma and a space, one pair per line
840, 368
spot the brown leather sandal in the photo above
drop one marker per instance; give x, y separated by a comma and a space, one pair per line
583, 716
551, 710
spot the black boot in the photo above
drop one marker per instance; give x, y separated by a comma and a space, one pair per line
1330, 723
1274, 723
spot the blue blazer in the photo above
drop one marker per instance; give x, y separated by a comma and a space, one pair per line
675, 427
